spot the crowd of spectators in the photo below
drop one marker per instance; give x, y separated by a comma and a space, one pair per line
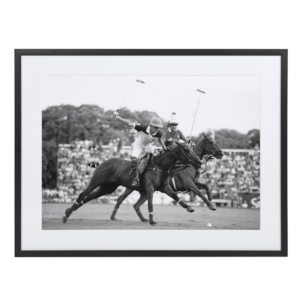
237, 172
73, 171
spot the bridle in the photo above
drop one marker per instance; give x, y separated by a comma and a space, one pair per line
190, 160
212, 151
211, 154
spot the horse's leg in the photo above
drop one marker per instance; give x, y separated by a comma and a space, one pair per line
150, 191
137, 206
105, 189
85, 197
93, 195
168, 190
78, 202
99, 178
202, 186
119, 202
191, 186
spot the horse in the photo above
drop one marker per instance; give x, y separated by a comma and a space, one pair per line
114, 172
183, 180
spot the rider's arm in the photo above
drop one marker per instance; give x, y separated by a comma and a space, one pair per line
159, 136
168, 139
182, 137
161, 141
124, 121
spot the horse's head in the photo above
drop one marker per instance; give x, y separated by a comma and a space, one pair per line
208, 146
187, 155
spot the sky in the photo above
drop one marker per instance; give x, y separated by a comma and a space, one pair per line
230, 102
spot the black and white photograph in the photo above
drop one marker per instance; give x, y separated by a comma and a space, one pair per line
151, 152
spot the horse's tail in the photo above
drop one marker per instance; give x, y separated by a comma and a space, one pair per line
93, 165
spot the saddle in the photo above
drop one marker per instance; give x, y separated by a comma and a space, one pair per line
142, 163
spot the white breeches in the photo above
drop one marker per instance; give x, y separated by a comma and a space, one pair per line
138, 151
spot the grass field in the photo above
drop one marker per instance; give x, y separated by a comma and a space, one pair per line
97, 217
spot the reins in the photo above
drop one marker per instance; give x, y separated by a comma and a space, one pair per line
209, 156
185, 164
189, 160
205, 160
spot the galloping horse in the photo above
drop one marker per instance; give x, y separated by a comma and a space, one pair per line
115, 172
183, 180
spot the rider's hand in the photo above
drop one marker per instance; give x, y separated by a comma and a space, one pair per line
115, 114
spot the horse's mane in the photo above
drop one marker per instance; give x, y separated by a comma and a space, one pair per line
203, 138
168, 150
198, 146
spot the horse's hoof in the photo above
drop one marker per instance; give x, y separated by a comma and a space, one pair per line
144, 220
153, 223
190, 209
114, 219
212, 207
64, 219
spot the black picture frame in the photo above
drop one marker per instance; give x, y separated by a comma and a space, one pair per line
283, 53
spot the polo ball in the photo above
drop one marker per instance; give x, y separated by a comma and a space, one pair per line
209, 225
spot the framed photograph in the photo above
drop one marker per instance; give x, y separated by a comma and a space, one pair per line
150, 152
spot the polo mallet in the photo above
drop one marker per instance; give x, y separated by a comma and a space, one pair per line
139, 81
196, 111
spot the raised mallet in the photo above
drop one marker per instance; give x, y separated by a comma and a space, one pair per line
196, 111
139, 81
201, 91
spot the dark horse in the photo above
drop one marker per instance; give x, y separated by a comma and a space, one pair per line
183, 180
115, 172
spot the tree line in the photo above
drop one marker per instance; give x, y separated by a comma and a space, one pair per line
65, 124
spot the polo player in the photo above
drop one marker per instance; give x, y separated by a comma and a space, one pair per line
173, 135
148, 133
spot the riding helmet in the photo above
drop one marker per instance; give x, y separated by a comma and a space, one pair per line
156, 122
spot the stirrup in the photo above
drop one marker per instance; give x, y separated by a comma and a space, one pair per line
136, 181
212, 206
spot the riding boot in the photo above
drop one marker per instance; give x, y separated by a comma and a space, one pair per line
197, 177
134, 167
136, 180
